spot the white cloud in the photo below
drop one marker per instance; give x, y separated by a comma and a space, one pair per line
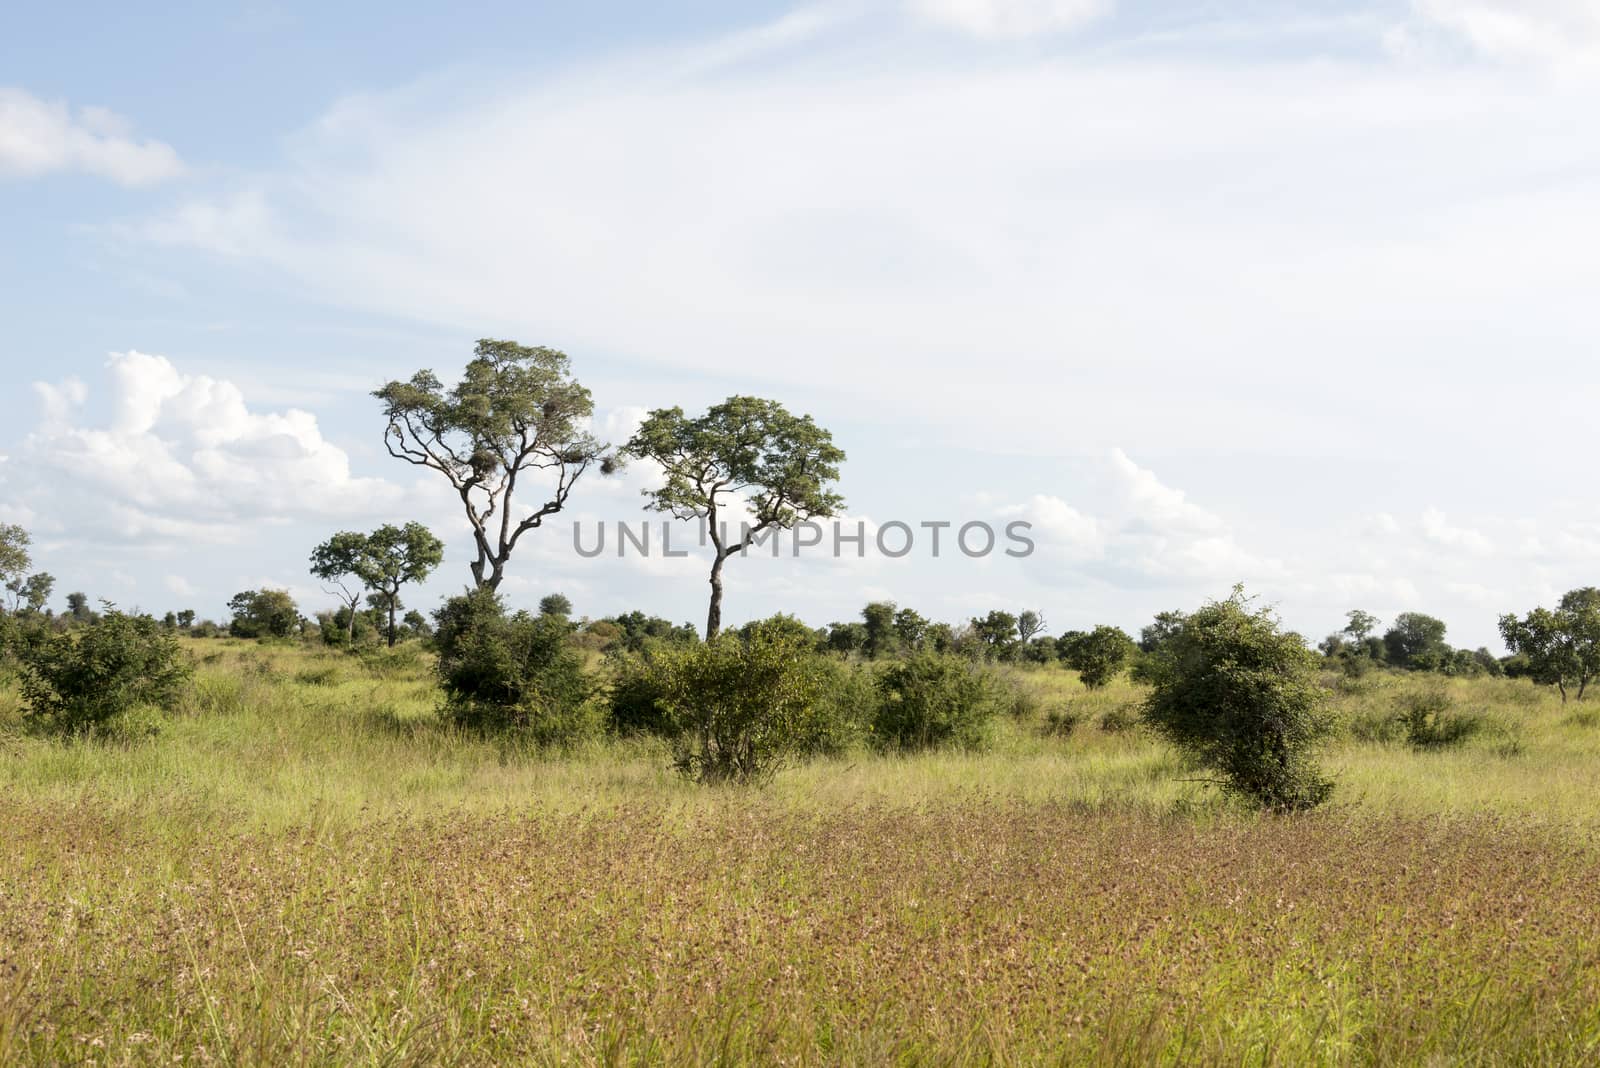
40, 137
1437, 528
1011, 18
1562, 36
182, 457
180, 586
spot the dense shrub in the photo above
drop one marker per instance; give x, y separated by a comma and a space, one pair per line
1098, 656
638, 683
263, 614
930, 700
81, 681
1429, 721
1240, 696
517, 673
738, 706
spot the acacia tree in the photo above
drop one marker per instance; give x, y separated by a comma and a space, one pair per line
743, 446
335, 560
29, 593
517, 413
395, 556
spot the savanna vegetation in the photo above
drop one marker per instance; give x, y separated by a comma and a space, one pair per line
493, 833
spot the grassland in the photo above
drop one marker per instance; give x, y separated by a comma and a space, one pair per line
306, 866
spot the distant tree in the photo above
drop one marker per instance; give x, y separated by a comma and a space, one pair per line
1559, 648
339, 561
263, 614
997, 632
637, 630
417, 624
847, 637
170, 621
396, 556
939, 637
14, 557
1360, 625
910, 628
1097, 656
1166, 625
1416, 641
784, 464
555, 604
1240, 696
1042, 650
516, 413
30, 595
78, 608
186, 618
1029, 625
878, 619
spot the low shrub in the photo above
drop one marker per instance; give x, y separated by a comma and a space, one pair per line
1061, 722
1429, 721
931, 700
738, 706
81, 681
512, 673
1120, 720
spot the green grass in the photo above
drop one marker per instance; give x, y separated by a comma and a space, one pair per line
307, 865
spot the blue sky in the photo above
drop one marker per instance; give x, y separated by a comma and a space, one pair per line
1291, 294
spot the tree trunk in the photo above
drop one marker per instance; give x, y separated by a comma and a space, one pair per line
714, 614
351, 644
393, 597
1562, 686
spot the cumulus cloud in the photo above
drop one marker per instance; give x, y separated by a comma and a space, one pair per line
1010, 18
183, 457
40, 137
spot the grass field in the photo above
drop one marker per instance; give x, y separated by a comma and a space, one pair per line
306, 866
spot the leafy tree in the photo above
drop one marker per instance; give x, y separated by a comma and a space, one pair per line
1097, 656
939, 638
638, 629
1416, 641
878, 619
516, 413
555, 604
1166, 625
784, 464
847, 637
31, 594
78, 609
930, 700
395, 556
14, 557
1360, 625
1042, 650
997, 632
417, 624
1559, 648
263, 614
910, 628
79, 682
1240, 696
339, 560
186, 618
1029, 625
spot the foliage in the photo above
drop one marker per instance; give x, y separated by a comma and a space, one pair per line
781, 464
555, 604
1429, 722
1239, 695
511, 673
80, 681
263, 614
931, 700
516, 411
737, 706
1098, 656
1416, 641
879, 638
636, 629
1559, 648
997, 633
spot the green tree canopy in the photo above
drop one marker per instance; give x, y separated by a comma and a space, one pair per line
516, 415
782, 464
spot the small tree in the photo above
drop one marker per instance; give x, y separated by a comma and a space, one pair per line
1097, 656
910, 627
263, 614
1360, 625
997, 631
1029, 625
878, 619
555, 604
14, 557
339, 561
186, 619
745, 445
517, 413
395, 556
1416, 641
1561, 648
1239, 695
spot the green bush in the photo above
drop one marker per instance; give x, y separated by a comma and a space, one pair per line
740, 705
81, 681
932, 699
1098, 656
512, 673
638, 684
1240, 696
1429, 721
